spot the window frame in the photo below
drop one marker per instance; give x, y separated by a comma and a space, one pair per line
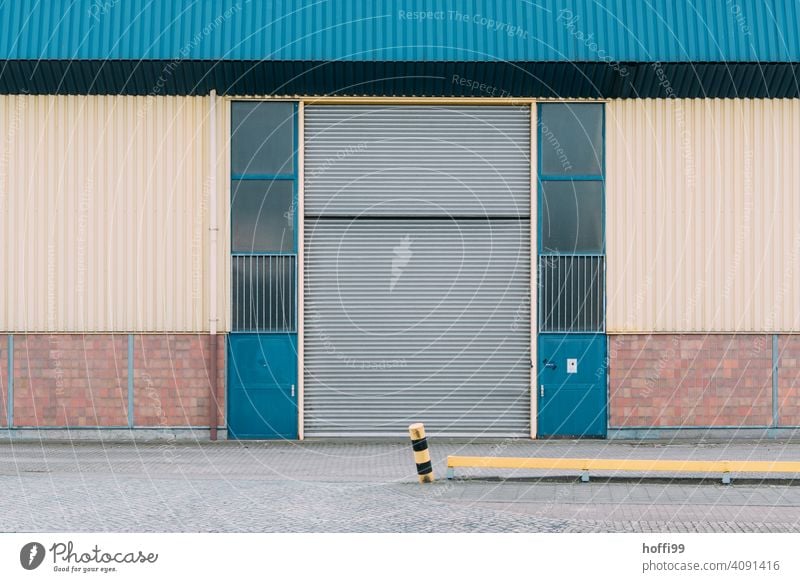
579, 253
540, 179
294, 176
278, 176
293, 204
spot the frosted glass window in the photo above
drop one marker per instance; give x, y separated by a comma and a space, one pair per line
571, 139
572, 217
262, 137
262, 216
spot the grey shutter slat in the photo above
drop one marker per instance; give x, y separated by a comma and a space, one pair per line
415, 320
417, 160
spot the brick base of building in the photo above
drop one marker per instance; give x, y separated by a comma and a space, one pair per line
82, 381
664, 381
699, 381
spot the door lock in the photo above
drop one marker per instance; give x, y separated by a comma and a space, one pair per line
572, 365
548, 364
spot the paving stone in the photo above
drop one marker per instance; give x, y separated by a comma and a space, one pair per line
371, 487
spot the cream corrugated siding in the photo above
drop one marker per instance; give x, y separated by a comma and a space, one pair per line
703, 208
104, 215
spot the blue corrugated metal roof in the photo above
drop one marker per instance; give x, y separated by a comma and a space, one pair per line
402, 30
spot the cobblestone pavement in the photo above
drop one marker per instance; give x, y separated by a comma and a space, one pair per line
356, 486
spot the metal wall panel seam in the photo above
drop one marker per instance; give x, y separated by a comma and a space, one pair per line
10, 382
775, 371
131, 402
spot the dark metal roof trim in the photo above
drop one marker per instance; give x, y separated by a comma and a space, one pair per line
403, 79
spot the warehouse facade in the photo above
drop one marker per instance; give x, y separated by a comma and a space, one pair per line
270, 222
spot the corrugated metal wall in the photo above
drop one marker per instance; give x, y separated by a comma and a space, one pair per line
103, 219
703, 207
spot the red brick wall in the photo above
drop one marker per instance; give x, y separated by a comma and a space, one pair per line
171, 380
789, 380
655, 380
690, 380
70, 380
82, 380
3, 379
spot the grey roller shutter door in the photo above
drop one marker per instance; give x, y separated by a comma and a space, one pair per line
417, 161
417, 304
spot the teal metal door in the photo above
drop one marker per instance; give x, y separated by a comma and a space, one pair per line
262, 386
572, 394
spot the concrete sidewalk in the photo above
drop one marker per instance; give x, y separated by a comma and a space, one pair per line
371, 486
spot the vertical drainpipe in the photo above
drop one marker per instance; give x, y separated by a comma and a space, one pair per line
212, 265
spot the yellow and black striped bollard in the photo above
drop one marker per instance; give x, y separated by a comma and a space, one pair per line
422, 456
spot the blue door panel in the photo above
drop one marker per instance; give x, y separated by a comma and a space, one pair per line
572, 399
262, 386
265, 358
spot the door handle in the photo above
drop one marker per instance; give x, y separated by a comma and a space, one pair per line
541, 390
548, 364
292, 390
